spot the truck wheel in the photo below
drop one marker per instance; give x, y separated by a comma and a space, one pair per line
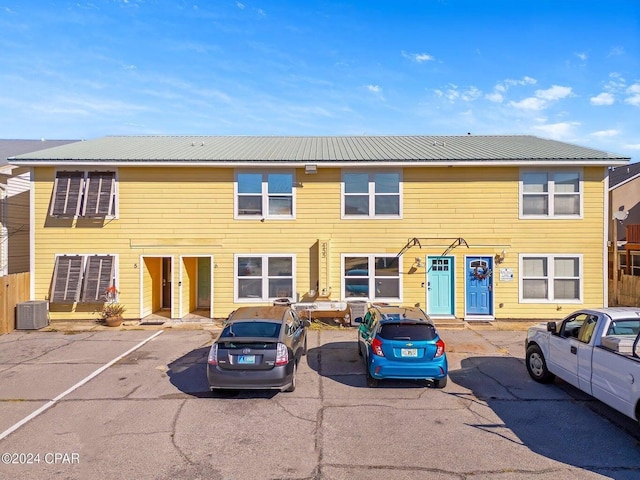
537, 366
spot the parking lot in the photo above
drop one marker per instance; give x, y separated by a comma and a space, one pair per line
136, 404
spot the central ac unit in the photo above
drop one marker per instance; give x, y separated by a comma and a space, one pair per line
32, 315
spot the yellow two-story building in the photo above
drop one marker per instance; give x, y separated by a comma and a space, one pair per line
468, 227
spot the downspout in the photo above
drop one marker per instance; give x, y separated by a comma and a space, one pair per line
4, 234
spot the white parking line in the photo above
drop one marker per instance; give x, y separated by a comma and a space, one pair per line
51, 403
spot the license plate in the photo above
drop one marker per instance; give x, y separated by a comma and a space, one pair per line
409, 352
246, 359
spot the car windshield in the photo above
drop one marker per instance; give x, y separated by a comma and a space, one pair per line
407, 331
251, 329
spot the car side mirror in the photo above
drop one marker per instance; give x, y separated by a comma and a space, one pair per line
306, 322
357, 320
552, 327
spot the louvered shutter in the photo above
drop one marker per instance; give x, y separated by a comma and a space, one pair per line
99, 194
67, 276
98, 276
67, 194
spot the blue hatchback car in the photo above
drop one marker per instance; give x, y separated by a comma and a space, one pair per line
401, 343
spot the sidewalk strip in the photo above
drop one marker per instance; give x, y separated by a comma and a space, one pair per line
51, 403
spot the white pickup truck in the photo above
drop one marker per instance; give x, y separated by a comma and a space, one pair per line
596, 350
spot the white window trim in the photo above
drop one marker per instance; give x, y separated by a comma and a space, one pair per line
265, 277
551, 195
265, 196
80, 213
550, 277
372, 195
371, 265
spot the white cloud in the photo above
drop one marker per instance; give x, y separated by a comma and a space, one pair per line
581, 55
542, 98
531, 103
240, 5
603, 98
558, 131
506, 84
634, 95
374, 88
418, 57
606, 133
556, 92
453, 93
632, 146
494, 97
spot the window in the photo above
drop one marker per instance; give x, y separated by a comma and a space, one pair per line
371, 276
551, 194
370, 195
264, 195
83, 194
551, 278
82, 278
264, 277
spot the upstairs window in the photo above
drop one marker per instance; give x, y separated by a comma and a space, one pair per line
551, 194
82, 278
371, 195
264, 195
84, 194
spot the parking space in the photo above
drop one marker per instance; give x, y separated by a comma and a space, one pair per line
151, 415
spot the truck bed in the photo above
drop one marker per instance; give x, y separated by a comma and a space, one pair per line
622, 344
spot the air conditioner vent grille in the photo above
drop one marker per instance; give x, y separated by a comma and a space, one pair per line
32, 315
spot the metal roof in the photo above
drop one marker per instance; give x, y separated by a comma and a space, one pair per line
327, 150
10, 148
621, 175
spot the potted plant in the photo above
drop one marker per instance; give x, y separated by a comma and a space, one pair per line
112, 310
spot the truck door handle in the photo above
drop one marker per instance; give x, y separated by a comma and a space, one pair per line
574, 350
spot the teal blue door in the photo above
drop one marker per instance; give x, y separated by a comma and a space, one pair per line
478, 285
440, 286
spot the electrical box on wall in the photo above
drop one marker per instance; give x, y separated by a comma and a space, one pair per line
32, 315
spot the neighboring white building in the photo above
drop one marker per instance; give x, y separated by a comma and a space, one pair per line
14, 204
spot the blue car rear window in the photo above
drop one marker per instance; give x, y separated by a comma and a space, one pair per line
251, 329
407, 331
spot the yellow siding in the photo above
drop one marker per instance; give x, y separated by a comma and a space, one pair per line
189, 211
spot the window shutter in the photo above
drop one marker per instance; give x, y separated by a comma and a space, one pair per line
99, 194
67, 275
98, 277
67, 194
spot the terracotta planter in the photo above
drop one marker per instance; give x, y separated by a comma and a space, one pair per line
113, 321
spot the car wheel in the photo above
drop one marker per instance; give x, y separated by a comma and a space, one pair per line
537, 366
440, 382
359, 349
371, 382
292, 387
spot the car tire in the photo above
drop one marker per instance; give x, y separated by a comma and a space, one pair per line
440, 382
292, 387
359, 349
371, 382
537, 365
304, 348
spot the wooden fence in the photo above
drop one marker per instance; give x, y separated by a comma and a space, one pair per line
628, 291
13, 290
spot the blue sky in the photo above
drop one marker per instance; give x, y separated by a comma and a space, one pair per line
561, 69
